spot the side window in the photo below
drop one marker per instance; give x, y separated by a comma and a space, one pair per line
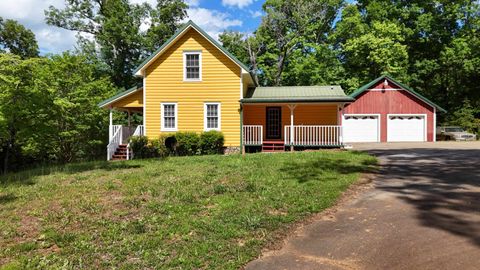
169, 117
192, 70
212, 116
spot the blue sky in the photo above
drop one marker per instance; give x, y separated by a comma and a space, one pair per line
214, 16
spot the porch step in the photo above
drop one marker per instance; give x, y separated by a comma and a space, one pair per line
120, 153
273, 146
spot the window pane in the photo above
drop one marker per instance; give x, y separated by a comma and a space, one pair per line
169, 116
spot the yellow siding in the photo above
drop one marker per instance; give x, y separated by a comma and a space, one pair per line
323, 114
134, 100
220, 83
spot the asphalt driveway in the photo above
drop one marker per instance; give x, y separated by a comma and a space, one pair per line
421, 212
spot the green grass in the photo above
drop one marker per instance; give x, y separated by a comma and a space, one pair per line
208, 212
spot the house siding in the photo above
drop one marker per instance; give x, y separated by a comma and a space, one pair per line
220, 83
315, 114
134, 100
391, 102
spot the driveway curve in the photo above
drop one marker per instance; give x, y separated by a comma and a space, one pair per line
422, 212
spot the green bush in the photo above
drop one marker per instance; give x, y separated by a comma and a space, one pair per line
211, 143
187, 143
180, 143
139, 147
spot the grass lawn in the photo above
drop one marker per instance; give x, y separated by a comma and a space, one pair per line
208, 212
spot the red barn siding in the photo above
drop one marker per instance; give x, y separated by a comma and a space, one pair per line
391, 102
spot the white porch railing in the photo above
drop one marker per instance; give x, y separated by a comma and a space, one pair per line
252, 135
139, 131
115, 140
304, 135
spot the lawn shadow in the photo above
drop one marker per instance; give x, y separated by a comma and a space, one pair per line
6, 198
443, 185
27, 177
318, 170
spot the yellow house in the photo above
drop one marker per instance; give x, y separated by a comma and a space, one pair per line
191, 83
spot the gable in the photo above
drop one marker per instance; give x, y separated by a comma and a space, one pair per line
386, 83
140, 70
169, 64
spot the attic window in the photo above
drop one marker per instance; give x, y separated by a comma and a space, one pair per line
192, 66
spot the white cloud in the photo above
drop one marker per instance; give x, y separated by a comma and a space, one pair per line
30, 13
237, 3
212, 21
193, 3
256, 14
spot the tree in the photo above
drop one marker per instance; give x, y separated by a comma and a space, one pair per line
116, 27
245, 48
16, 39
289, 26
16, 98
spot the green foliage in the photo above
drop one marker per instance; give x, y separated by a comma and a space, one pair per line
187, 143
48, 109
182, 144
211, 143
17, 39
119, 40
465, 117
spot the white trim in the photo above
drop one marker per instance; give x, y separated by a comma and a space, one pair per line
386, 89
424, 115
144, 116
241, 86
139, 72
434, 124
379, 120
163, 128
219, 110
192, 52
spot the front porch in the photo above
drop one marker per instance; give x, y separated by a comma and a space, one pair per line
274, 127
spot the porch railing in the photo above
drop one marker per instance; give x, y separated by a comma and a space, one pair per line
115, 140
139, 131
304, 135
252, 135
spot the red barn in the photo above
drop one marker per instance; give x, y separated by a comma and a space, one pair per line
385, 110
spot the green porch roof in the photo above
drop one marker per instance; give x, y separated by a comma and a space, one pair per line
364, 88
119, 96
286, 94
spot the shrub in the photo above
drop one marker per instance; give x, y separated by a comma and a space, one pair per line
211, 143
187, 143
142, 147
139, 146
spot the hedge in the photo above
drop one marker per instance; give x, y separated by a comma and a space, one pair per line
178, 144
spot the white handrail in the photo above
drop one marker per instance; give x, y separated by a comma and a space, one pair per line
252, 135
309, 135
115, 141
139, 131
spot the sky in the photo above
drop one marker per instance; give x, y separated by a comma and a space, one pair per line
214, 16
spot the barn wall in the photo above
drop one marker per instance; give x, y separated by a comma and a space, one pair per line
391, 102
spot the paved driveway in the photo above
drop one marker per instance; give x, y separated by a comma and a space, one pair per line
422, 212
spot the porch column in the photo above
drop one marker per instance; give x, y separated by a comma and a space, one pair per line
110, 127
292, 132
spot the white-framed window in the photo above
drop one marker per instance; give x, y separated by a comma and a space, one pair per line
169, 113
212, 116
192, 66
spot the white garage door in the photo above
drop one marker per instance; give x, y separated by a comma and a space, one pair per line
405, 128
361, 128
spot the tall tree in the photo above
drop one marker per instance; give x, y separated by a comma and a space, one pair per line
289, 26
123, 33
17, 39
